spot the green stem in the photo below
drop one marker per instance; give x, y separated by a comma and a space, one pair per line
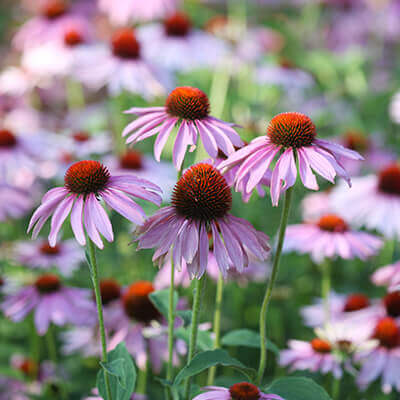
326, 287
51, 345
171, 323
272, 279
96, 286
194, 329
141, 386
217, 325
335, 388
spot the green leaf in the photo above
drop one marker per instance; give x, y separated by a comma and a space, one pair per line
121, 374
186, 316
208, 359
298, 389
204, 340
160, 299
246, 338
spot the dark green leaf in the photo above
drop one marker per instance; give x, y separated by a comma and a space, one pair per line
298, 389
204, 340
246, 338
121, 373
208, 359
186, 316
160, 299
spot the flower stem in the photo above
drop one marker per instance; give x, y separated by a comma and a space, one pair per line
194, 329
272, 279
171, 323
217, 325
51, 345
326, 287
96, 286
335, 388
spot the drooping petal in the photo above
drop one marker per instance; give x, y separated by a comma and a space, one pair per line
139, 122
76, 221
59, 216
163, 136
208, 140
307, 177
182, 140
90, 225
100, 218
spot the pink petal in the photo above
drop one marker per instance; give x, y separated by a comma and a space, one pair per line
306, 175
163, 136
59, 216
90, 225
76, 221
100, 218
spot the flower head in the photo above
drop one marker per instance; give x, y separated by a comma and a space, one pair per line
200, 207
190, 107
85, 183
293, 134
388, 276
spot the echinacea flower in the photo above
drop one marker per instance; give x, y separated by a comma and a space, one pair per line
316, 205
316, 355
85, 183
169, 44
189, 107
82, 144
200, 205
384, 360
50, 301
388, 275
122, 12
330, 237
54, 19
120, 66
130, 318
238, 391
378, 201
144, 166
14, 202
293, 134
66, 256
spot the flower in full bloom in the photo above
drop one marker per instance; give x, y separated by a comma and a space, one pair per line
378, 201
82, 143
55, 18
121, 12
120, 66
388, 275
51, 301
169, 44
190, 107
384, 359
144, 166
66, 256
14, 202
315, 205
238, 391
331, 236
85, 183
200, 205
294, 134
131, 319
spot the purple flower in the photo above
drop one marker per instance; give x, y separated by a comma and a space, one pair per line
388, 276
96, 396
238, 391
378, 201
316, 205
14, 202
51, 302
200, 206
294, 134
329, 237
85, 183
66, 256
190, 107
122, 12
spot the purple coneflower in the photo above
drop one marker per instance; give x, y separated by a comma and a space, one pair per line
122, 12
66, 256
294, 134
169, 44
330, 236
14, 202
238, 391
201, 202
190, 107
378, 201
51, 302
82, 144
388, 276
85, 183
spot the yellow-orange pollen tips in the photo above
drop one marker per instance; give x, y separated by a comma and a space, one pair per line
7, 139
244, 391
178, 25
125, 45
86, 177
332, 223
387, 332
48, 283
52, 9
137, 304
291, 129
389, 180
188, 103
321, 346
131, 160
202, 194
